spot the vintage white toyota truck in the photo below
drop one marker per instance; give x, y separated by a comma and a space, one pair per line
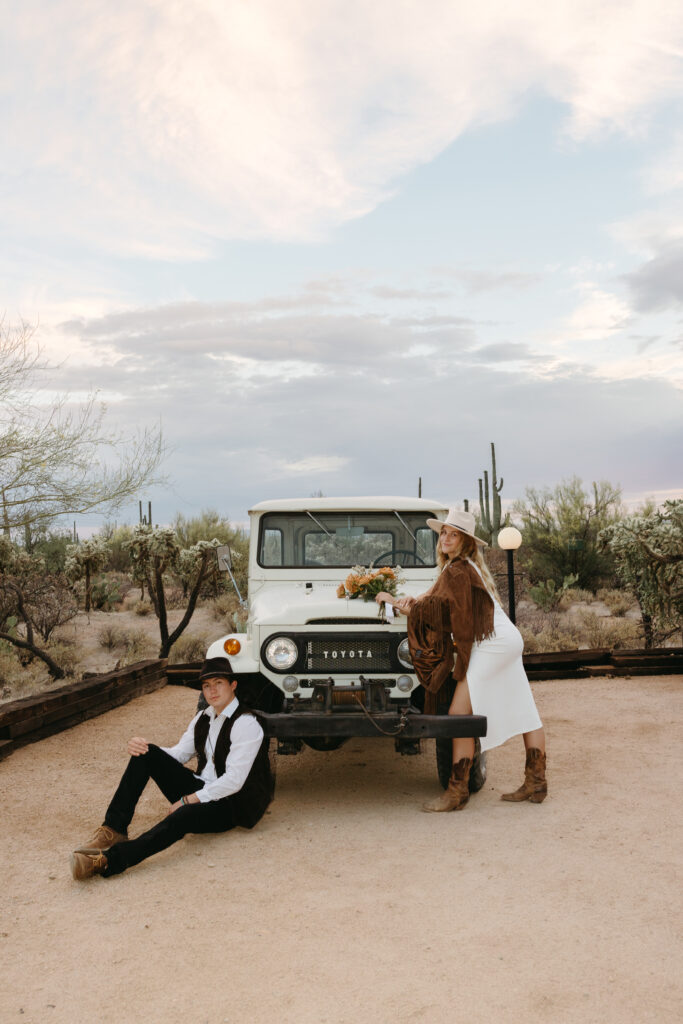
321, 668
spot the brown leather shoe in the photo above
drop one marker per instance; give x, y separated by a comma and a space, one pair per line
457, 793
86, 863
103, 839
534, 788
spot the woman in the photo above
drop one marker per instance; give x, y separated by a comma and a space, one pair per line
489, 674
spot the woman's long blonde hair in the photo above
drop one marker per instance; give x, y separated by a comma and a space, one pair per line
469, 549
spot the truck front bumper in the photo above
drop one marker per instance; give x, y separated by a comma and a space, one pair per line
407, 723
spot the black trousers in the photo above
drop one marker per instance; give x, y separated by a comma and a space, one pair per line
174, 781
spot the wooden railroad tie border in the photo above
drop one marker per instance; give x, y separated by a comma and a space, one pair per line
24, 721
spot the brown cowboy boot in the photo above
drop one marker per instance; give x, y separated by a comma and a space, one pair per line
86, 863
456, 795
534, 787
104, 838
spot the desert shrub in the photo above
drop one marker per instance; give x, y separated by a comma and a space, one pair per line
142, 608
225, 608
65, 652
597, 631
137, 646
547, 595
618, 601
17, 680
189, 647
575, 595
111, 636
51, 606
548, 639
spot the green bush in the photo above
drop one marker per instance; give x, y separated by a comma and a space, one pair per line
547, 595
561, 528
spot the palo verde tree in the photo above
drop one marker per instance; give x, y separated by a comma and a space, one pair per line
57, 458
561, 528
648, 548
156, 555
83, 560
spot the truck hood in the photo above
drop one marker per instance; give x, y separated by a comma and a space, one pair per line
295, 605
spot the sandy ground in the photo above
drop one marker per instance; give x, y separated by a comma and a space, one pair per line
347, 903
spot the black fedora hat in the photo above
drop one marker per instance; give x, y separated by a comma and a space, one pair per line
216, 668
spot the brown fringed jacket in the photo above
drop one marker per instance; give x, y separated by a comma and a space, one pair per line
458, 604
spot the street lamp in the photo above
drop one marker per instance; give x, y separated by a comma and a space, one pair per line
509, 540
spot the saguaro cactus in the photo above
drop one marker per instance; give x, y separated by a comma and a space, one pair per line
490, 509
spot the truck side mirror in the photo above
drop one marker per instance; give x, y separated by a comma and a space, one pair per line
224, 556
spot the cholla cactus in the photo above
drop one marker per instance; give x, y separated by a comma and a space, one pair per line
155, 551
84, 559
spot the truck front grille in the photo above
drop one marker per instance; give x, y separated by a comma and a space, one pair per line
348, 654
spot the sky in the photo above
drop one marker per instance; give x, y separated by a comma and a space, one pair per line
339, 246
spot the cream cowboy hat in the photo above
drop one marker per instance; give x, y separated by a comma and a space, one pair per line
463, 521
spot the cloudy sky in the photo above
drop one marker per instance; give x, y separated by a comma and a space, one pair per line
334, 245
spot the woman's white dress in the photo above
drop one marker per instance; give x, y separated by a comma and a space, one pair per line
498, 684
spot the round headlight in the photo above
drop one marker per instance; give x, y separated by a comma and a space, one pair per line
281, 653
403, 653
405, 684
232, 645
290, 684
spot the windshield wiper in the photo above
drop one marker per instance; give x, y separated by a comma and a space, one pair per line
404, 523
318, 523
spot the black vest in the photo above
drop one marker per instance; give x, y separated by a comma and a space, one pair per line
250, 802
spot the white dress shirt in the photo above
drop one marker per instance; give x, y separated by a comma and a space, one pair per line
245, 740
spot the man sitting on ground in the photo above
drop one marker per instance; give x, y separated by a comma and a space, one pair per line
232, 786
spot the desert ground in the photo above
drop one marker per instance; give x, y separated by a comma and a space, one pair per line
348, 903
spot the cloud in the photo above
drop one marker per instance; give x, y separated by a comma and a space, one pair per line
385, 292
313, 465
352, 406
232, 341
477, 281
658, 283
599, 315
506, 351
155, 130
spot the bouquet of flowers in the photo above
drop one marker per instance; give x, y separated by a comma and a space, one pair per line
368, 583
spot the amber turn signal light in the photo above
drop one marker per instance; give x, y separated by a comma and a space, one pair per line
232, 646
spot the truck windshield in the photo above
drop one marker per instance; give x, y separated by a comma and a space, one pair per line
341, 539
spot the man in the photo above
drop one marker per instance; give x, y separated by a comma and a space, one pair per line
232, 786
